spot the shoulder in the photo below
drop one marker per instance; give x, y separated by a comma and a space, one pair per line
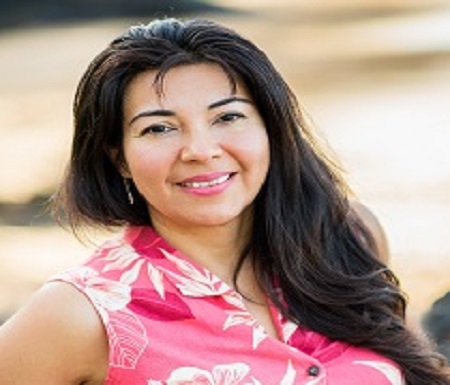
373, 225
60, 333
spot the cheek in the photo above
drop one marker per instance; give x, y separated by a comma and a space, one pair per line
254, 149
146, 163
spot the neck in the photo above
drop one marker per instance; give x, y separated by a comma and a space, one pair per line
216, 248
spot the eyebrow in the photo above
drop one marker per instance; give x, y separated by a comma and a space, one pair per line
162, 112
229, 100
151, 113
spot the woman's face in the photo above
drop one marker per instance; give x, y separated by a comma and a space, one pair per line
197, 151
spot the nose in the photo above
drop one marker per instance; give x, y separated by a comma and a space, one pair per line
200, 146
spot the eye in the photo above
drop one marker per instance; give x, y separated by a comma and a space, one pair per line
230, 117
157, 129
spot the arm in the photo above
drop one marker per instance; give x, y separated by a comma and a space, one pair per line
57, 339
372, 224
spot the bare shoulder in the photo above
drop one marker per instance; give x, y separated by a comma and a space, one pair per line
57, 338
369, 219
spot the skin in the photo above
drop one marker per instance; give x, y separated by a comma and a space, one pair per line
175, 135
210, 131
375, 228
206, 135
64, 347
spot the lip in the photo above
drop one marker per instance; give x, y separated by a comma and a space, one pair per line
192, 185
205, 177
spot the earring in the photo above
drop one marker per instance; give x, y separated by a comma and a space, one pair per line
126, 183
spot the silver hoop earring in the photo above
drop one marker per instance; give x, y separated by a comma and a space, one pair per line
130, 196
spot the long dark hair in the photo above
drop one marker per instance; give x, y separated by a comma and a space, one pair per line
305, 236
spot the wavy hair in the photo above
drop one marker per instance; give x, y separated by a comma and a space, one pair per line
305, 236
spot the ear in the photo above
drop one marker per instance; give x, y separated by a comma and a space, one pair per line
119, 162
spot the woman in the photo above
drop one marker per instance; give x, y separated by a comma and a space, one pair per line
241, 261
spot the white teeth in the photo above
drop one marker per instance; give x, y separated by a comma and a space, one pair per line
219, 180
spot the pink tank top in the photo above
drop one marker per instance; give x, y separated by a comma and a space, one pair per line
170, 321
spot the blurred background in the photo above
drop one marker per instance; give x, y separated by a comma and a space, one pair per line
373, 75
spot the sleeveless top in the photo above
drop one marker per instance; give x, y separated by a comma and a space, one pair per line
170, 321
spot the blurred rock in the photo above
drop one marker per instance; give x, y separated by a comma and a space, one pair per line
437, 324
32, 213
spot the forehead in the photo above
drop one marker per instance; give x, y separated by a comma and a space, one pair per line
187, 80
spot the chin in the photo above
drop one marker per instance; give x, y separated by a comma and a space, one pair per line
212, 220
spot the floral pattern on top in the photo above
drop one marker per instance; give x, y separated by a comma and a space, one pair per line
170, 321
127, 335
392, 373
192, 281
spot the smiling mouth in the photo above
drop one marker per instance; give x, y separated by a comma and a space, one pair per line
207, 184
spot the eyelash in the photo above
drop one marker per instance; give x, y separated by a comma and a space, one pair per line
230, 117
157, 129
161, 129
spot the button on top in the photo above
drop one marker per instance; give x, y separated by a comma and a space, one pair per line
313, 371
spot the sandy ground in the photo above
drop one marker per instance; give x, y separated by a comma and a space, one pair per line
378, 88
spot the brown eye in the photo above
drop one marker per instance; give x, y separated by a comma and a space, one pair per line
230, 117
157, 129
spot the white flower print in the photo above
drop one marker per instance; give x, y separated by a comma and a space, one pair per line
126, 335
125, 259
259, 334
289, 329
109, 295
254, 382
231, 374
243, 317
316, 381
392, 373
127, 339
129, 276
234, 299
289, 377
195, 283
156, 278
236, 317
120, 257
104, 293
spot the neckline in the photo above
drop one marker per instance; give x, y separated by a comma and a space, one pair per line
193, 280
